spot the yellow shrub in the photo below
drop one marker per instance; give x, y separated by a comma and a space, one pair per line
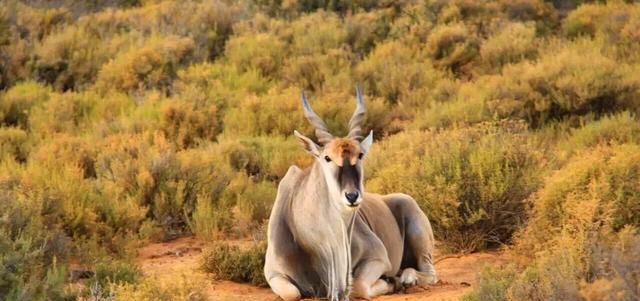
471, 182
16, 103
513, 43
151, 66
452, 46
262, 51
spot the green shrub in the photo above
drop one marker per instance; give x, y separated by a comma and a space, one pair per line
492, 284
187, 124
14, 143
152, 66
598, 180
184, 288
229, 262
452, 46
263, 52
513, 43
396, 73
16, 103
614, 129
277, 113
571, 81
68, 112
471, 182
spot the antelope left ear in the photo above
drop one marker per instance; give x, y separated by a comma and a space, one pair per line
308, 144
366, 143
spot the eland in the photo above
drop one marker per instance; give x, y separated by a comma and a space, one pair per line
329, 238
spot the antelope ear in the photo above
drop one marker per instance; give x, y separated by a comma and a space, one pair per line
366, 143
308, 144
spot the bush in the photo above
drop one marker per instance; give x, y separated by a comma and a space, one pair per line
471, 182
187, 124
152, 66
184, 288
68, 112
452, 46
228, 262
16, 103
557, 86
14, 143
493, 283
263, 52
513, 43
396, 73
597, 180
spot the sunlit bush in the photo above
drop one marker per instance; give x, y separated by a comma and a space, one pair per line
598, 180
514, 43
229, 262
452, 46
68, 112
179, 288
153, 65
264, 52
396, 72
17, 103
14, 143
575, 79
471, 182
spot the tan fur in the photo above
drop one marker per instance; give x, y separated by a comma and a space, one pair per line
339, 149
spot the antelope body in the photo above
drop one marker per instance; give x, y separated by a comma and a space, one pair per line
328, 238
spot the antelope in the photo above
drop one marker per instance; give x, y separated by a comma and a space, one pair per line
329, 238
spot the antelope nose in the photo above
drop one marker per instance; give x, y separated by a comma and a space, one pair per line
352, 197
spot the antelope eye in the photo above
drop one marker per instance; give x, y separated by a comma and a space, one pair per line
326, 158
360, 155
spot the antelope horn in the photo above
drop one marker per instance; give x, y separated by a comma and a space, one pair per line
355, 131
322, 133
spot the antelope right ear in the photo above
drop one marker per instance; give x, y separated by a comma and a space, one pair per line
308, 144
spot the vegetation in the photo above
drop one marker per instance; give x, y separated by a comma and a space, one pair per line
510, 122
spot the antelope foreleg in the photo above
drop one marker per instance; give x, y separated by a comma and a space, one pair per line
367, 282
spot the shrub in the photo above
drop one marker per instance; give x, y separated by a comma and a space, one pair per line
219, 83
71, 58
452, 46
14, 143
68, 112
187, 124
229, 262
513, 43
557, 86
263, 52
113, 272
471, 182
152, 66
613, 129
184, 288
16, 103
317, 33
493, 283
597, 180
396, 73
277, 113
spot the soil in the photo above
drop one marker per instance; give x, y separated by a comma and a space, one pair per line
182, 257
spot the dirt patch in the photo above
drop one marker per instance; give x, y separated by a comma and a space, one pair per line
181, 258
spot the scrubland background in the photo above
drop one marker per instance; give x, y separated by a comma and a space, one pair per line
513, 123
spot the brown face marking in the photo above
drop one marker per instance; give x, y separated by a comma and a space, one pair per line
341, 149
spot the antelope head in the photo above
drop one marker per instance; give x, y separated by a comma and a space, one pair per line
340, 158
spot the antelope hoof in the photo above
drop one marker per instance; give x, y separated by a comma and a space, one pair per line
409, 277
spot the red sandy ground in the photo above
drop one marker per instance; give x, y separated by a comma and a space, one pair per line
182, 257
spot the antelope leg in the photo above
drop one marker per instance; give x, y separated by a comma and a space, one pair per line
284, 288
367, 283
